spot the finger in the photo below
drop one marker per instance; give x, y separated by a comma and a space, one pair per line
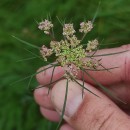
89, 112
66, 127
122, 91
43, 98
44, 77
50, 114
121, 74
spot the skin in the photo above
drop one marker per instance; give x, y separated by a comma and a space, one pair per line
104, 113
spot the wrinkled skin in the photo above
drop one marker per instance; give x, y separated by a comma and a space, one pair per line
91, 112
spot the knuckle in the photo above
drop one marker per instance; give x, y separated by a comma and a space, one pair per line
40, 74
102, 117
89, 118
106, 121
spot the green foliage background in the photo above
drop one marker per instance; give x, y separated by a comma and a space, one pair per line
18, 110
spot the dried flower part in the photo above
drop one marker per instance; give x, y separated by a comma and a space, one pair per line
92, 45
86, 27
68, 30
45, 26
72, 70
56, 47
45, 52
96, 63
73, 41
91, 63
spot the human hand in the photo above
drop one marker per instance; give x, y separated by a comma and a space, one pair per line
91, 112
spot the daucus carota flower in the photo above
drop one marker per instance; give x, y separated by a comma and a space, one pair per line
86, 27
73, 56
45, 52
68, 30
72, 69
68, 52
56, 47
45, 26
73, 41
92, 45
64, 45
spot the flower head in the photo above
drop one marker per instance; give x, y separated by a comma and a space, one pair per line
68, 30
45, 26
56, 47
69, 53
72, 70
92, 45
86, 27
45, 52
73, 41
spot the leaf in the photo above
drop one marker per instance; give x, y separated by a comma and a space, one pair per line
102, 69
64, 105
30, 58
29, 82
59, 20
108, 54
33, 74
27, 43
36, 55
73, 79
51, 78
96, 13
85, 88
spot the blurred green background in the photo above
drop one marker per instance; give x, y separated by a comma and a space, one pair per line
18, 110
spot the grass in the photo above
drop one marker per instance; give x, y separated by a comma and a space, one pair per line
18, 109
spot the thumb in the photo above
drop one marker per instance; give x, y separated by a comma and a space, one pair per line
89, 112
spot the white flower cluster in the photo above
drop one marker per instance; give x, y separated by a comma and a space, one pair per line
86, 27
73, 41
71, 69
69, 53
92, 45
45, 26
68, 30
45, 52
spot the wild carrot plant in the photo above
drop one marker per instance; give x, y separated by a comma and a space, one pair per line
73, 55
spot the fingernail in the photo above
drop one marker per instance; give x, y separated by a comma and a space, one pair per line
74, 97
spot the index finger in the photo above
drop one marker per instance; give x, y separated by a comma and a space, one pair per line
121, 74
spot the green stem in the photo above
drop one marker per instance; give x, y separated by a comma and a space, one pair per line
27, 43
108, 54
51, 78
64, 105
103, 88
33, 74
48, 84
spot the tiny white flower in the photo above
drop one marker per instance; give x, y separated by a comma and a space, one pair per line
45, 52
86, 27
92, 45
68, 30
73, 41
45, 26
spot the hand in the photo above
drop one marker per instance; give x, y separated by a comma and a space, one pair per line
91, 112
